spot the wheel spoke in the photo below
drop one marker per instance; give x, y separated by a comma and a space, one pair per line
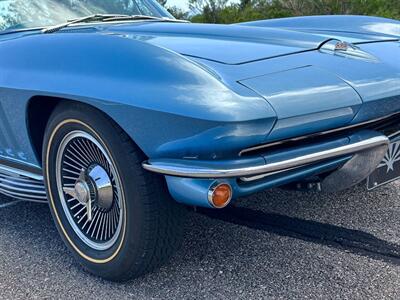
101, 223
93, 152
86, 145
75, 215
81, 153
87, 220
82, 217
72, 199
115, 217
93, 221
84, 166
78, 168
102, 157
82, 162
104, 228
76, 205
71, 171
95, 225
70, 178
84, 150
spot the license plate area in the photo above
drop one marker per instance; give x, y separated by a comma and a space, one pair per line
389, 168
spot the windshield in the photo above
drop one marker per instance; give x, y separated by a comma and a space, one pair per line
20, 14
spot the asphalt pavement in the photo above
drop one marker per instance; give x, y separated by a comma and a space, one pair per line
274, 245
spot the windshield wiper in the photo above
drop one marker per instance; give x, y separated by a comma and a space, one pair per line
106, 18
87, 19
143, 17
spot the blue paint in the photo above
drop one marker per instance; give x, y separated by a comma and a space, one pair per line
204, 92
306, 98
344, 25
195, 191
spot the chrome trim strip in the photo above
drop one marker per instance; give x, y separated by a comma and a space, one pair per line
22, 184
261, 176
18, 182
20, 165
180, 170
11, 170
32, 193
21, 196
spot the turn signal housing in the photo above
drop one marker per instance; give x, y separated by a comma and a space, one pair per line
219, 195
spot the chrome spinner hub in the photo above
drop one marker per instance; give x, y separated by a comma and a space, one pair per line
82, 192
102, 187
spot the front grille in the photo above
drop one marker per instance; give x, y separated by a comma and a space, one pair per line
389, 126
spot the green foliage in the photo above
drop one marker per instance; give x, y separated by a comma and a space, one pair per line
175, 11
221, 11
209, 11
178, 13
162, 2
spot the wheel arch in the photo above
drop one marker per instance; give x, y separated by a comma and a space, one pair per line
38, 112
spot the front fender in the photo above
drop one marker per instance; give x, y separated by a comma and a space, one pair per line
164, 101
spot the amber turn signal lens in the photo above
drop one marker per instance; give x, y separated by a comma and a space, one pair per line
220, 195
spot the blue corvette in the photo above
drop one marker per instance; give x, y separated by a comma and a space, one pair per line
117, 114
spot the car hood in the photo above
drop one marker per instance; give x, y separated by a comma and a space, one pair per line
341, 26
241, 43
228, 44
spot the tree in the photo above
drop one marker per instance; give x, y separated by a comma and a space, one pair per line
244, 3
162, 2
175, 11
209, 9
178, 13
214, 11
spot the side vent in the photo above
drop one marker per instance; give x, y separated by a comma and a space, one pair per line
21, 186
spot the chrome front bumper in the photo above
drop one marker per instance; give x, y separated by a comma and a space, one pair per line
359, 142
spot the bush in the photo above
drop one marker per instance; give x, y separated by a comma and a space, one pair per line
220, 11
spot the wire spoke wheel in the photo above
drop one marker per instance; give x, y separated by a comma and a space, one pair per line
90, 190
116, 218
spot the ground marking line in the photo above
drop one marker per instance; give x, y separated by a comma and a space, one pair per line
8, 204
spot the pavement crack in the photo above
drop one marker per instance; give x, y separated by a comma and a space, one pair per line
355, 241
